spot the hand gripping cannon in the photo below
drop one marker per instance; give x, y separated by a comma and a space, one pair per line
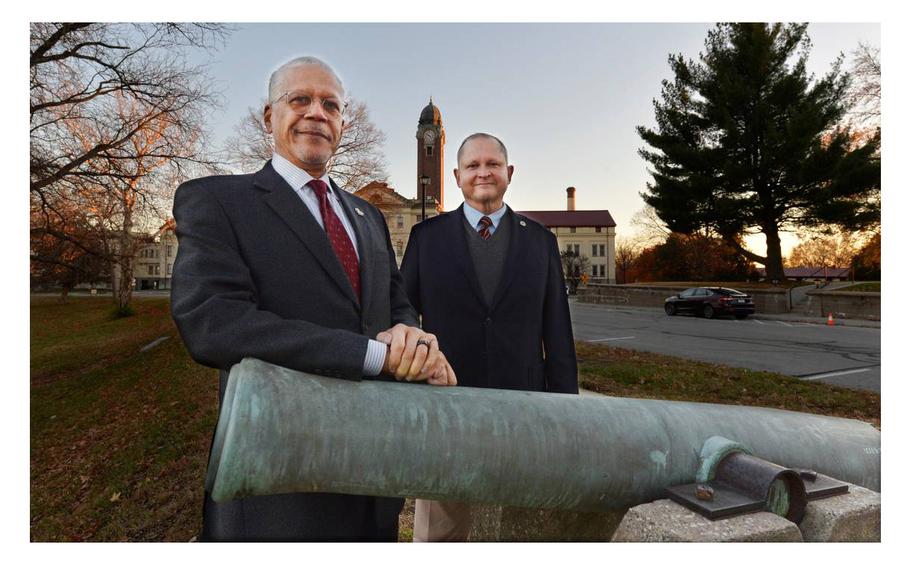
284, 431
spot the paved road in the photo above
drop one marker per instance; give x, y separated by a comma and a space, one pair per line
839, 355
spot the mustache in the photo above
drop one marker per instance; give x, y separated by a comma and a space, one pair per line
313, 131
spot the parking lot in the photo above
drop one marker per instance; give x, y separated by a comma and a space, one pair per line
840, 355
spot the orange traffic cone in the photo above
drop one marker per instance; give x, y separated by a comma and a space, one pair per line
830, 318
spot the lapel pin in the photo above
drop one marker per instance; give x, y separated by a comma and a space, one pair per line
522, 223
358, 211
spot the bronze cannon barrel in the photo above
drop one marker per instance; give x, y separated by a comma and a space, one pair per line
285, 431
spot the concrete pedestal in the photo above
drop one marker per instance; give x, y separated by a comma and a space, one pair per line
854, 517
667, 521
492, 523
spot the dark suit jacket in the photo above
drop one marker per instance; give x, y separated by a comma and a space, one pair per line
523, 340
256, 276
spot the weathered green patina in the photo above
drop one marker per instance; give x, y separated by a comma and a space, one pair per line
284, 431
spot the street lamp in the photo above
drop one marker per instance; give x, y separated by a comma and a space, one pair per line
424, 182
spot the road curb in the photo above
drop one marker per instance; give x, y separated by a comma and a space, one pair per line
789, 318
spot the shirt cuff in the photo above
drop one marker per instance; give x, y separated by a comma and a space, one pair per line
375, 358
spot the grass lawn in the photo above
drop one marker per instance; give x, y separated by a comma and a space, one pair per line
119, 438
863, 287
622, 372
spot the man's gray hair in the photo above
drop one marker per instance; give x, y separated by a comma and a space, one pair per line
505, 153
278, 75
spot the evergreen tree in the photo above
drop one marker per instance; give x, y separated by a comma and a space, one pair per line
747, 141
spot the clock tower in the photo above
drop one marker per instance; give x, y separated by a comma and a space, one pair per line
431, 140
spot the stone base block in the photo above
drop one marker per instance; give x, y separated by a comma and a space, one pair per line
667, 521
854, 517
493, 523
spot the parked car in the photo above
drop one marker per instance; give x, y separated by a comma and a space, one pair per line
710, 302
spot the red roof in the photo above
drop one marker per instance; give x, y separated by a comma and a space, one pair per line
561, 218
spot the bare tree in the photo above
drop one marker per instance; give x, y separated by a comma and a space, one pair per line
78, 74
357, 161
251, 144
111, 105
627, 250
831, 250
359, 158
142, 170
652, 230
865, 93
574, 266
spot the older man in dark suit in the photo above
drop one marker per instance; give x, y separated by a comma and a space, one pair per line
283, 266
488, 283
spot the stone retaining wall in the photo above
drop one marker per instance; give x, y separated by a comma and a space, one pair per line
852, 305
767, 300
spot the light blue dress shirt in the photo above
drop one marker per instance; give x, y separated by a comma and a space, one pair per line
473, 216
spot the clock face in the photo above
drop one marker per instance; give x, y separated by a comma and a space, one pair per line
429, 136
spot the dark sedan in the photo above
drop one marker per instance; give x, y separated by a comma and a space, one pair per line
710, 302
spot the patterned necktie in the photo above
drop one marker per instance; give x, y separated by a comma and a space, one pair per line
485, 223
339, 238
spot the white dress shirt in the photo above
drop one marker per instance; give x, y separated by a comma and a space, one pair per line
298, 179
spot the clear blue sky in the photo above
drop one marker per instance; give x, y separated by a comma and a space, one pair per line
565, 98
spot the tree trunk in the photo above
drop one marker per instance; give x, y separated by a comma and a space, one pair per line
774, 265
123, 292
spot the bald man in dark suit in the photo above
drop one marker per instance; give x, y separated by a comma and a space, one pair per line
488, 283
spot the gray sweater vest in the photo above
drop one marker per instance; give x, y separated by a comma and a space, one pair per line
489, 255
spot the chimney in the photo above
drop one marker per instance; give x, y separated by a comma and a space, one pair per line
570, 192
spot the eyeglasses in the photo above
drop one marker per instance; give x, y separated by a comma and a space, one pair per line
300, 102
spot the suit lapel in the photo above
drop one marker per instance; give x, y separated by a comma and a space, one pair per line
364, 247
288, 206
461, 255
517, 247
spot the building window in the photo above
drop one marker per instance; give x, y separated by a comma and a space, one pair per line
593, 250
150, 269
399, 247
399, 221
169, 268
577, 249
597, 229
571, 229
602, 252
170, 250
429, 151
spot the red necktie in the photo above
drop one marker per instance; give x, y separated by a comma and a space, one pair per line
339, 238
485, 223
